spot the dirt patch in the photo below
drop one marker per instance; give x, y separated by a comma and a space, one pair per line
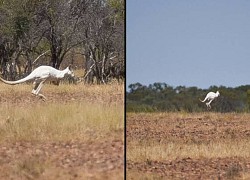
80, 157
202, 128
199, 130
188, 168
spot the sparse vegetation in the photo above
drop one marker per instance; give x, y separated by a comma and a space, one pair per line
194, 145
78, 127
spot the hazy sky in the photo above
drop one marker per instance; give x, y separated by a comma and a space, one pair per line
188, 42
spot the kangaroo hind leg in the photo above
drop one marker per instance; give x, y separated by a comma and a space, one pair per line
208, 104
38, 86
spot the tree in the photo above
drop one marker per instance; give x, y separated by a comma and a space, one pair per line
103, 41
162, 97
15, 24
59, 23
31, 29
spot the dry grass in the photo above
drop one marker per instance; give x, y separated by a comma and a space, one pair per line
90, 112
60, 121
64, 87
188, 146
161, 141
158, 151
76, 134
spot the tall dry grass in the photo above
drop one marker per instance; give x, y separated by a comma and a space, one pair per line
60, 121
72, 111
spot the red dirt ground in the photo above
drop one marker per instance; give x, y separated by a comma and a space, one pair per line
201, 128
61, 160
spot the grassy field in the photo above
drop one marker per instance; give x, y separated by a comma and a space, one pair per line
188, 146
76, 133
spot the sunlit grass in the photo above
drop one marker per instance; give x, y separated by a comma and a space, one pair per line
157, 151
93, 112
63, 87
60, 121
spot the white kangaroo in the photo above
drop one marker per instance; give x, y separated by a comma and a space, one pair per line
210, 96
40, 75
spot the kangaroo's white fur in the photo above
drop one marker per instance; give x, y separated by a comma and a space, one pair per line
40, 75
210, 97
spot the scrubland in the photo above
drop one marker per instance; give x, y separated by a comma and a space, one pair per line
183, 145
77, 133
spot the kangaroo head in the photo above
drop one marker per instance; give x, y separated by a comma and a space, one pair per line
70, 71
218, 93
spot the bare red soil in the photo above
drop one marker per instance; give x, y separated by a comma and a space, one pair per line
60, 160
197, 129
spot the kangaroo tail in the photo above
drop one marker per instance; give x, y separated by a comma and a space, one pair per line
203, 100
16, 82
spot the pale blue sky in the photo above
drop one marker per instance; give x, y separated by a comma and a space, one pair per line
188, 42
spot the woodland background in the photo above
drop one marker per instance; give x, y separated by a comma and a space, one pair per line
89, 34
159, 97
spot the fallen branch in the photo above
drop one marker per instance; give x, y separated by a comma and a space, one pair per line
40, 56
90, 69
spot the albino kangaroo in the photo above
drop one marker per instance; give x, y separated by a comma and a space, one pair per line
40, 75
210, 96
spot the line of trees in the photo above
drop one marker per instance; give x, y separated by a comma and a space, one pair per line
162, 97
53, 30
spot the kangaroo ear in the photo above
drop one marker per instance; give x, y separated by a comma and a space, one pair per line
70, 67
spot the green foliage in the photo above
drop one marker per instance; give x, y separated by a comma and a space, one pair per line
162, 97
31, 28
21, 26
248, 99
118, 7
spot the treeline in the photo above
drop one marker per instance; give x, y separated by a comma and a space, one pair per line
159, 97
